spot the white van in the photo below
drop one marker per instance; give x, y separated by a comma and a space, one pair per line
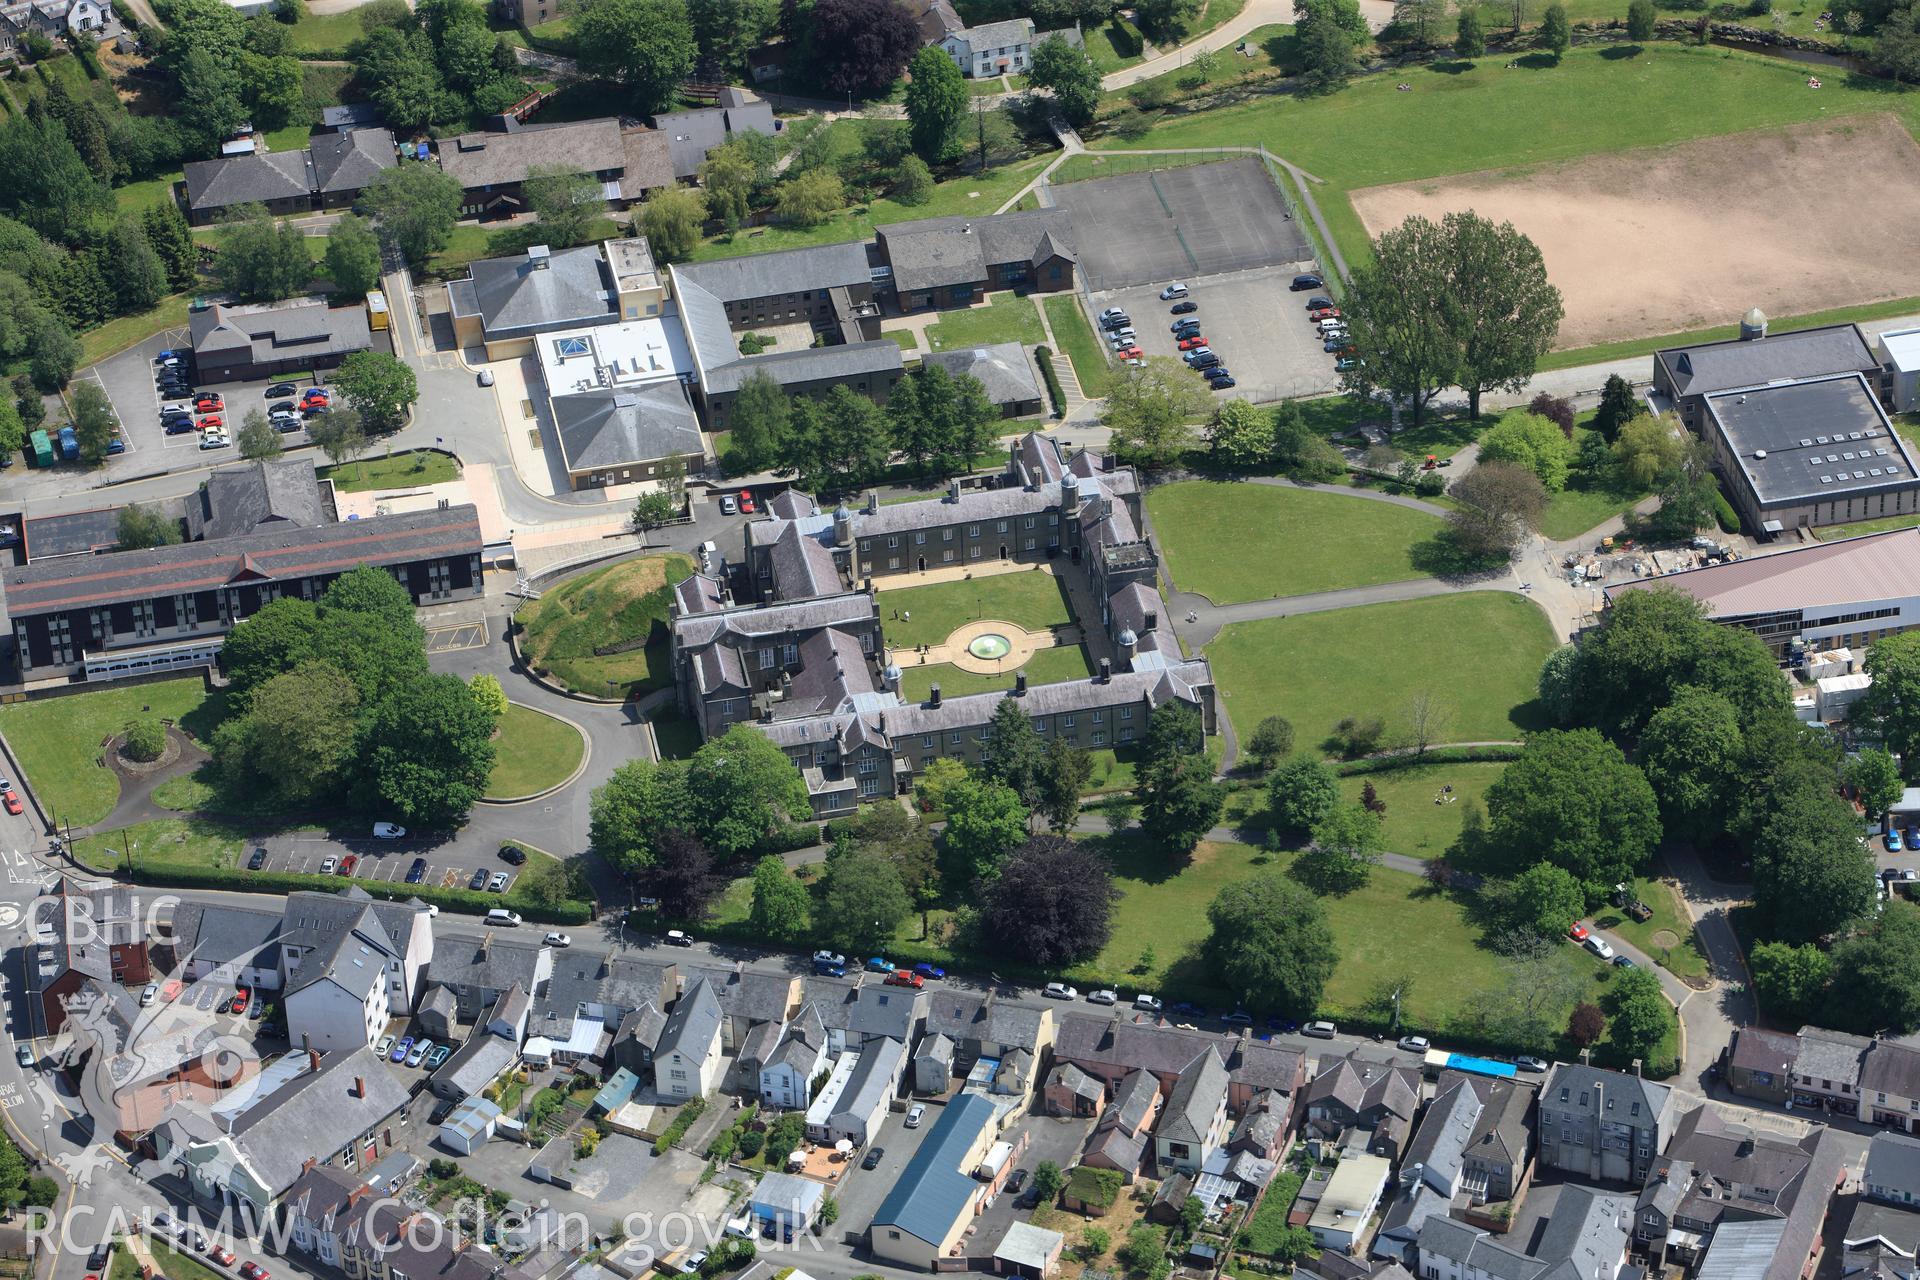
504, 918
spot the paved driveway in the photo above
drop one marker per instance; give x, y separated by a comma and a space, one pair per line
862, 1190
1257, 327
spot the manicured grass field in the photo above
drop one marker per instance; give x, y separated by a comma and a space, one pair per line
1478, 653
533, 751
1371, 133
138, 197
1686, 960
1033, 599
1007, 317
325, 36
1048, 666
58, 740
1077, 340
411, 469
1628, 348
1413, 824
1117, 44
965, 193
1396, 926
121, 332
624, 601
1254, 542
1273, 49
180, 1266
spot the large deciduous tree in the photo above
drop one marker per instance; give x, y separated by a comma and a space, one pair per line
1876, 975
1504, 312
1692, 752
353, 256
427, 752
415, 206
644, 45
1497, 505
860, 46
569, 203
1300, 794
757, 425
780, 902
1891, 704
296, 741
629, 810
1572, 799
986, 822
1068, 71
743, 788
379, 387
861, 902
672, 220
1270, 946
937, 100
682, 876
1544, 900
1053, 902
1531, 441
1812, 873
1151, 410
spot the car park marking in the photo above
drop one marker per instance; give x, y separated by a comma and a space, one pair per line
468, 635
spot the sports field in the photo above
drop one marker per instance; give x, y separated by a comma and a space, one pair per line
1667, 239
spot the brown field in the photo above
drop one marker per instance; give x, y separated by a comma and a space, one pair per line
1671, 239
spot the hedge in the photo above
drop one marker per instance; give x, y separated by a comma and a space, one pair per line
1044, 357
681, 1123
1723, 512
1433, 755
573, 911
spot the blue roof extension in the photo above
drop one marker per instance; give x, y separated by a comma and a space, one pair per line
933, 1191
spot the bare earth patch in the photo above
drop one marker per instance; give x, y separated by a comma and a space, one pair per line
1670, 239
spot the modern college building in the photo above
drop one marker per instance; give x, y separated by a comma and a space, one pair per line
800, 653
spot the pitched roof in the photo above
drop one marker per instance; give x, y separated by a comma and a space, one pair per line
1362, 1086
479, 160
303, 328
1437, 1152
308, 1115
624, 427
1075, 1081
649, 162
489, 964
933, 1191
1821, 576
1636, 1100
1196, 1099
998, 35
537, 290
1807, 353
802, 1041
238, 500
1003, 369
1891, 1068
350, 161
1893, 1160
1830, 1055
809, 364
761, 275
933, 253
693, 1028
1758, 1049
250, 179
873, 1078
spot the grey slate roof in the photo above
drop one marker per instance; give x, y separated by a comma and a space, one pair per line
747, 994
1132, 1101
489, 966
1893, 1160
1811, 439
1075, 1081
690, 135
643, 1027
350, 161
810, 364
517, 296
311, 1114
803, 1040
1437, 1151
1195, 1100
1585, 1236
694, 1025
475, 1064
354, 959
300, 328
441, 1001
763, 275
1758, 1049
239, 500
1003, 369
314, 918
872, 1080
614, 984
626, 426
1636, 1101
649, 162
1807, 353
1891, 1068
933, 253
876, 1010
1830, 1055
501, 159
999, 35
223, 935
248, 179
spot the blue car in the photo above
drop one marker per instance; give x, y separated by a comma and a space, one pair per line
1893, 841
1190, 1010
401, 1050
417, 872
879, 964
931, 971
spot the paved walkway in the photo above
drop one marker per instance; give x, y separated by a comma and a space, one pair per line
1258, 13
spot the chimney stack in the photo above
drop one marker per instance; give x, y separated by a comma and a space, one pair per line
1020, 684
1586, 1057
313, 1054
537, 256
360, 1086
953, 489
1636, 1066
933, 696
1151, 621
873, 502
1106, 671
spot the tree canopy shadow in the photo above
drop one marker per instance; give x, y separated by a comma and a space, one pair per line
1620, 52
1538, 61
1442, 556
1451, 66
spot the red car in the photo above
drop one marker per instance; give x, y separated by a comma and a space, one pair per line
208, 401
212, 422
240, 997
1188, 344
905, 978
225, 1257
1129, 353
1324, 313
316, 395
254, 1271
11, 799
746, 502
348, 863
1578, 933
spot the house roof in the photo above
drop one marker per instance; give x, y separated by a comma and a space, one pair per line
934, 253
476, 1063
309, 1115
872, 1081
1830, 1055
690, 136
1637, 1101
1807, 353
300, 328
1893, 1160
1758, 1049
1362, 1086
539, 290
998, 35
223, 935
479, 160
350, 161
600, 430
649, 162
489, 965
238, 500
248, 179
933, 1191
803, 1040
1003, 369
1891, 1068
809, 364
1196, 1099
762, 275
694, 1025
1075, 1081
1438, 1150
1031, 1248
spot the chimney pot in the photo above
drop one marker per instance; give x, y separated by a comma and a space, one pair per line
933, 696
359, 1086
953, 489
313, 1054
873, 502
1636, 1066
1106, 671
1020, 684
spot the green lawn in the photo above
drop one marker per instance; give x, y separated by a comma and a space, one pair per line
292, 138
1007, 317
468, 242
405, 470
1669, 920
1627, 348
1254, 542
1413, 823
138, 197
58, 740
1490, 116
325, 36
965, 193
1115, 45
180, 1266
622, 602
1112, 164
1478, 653
1047, 666
534, 751
1033, 599
1077, 341
905, 339
1587, 500
1833, 532
121, 332
1270, 49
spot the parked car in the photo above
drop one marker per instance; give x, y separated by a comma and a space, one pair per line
498, 884
1577, 931
1203, 358
479, 880
1528, 1063
1129, 352
905, 978
254, 1271
209, 400
504, 918
441, 1052
1320, 1030
349, 864
512, 854
915, 1114
829, 958
385, 1046
225, 1257
258, 861
1324, 313
557, 939
1345, 363
1319, 302
1185, 308
1061, 991
1179, 327
746, 502
1194, 355
417, 872
676, 938
176, 426
931, 972
1018, 1180
728, 507
316, 395
1103, 996
419, 1052
11, 802
1110, 312
240, 998
1172, 291
401, 1049
1239, 1017
1624, 962
327, 864
1334, 344
23, 1054
1221, 383
1600, 947
150, 994
1188, 344
1306, 280
1893, 841
280, 390
388, 831
214, 440
1115, 320
873, 1157
1415, 1044
1147, 1003
879, 964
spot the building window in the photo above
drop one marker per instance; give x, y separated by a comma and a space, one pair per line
1029, 523
919, 539
766, 659
946, 557
973, 531
676, 1074
893, 562
1099, 737
946, 535
866, 544
1066, 722
868, 764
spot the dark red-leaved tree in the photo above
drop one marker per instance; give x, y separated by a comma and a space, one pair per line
1585, 1024
861, 46
1052, 902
